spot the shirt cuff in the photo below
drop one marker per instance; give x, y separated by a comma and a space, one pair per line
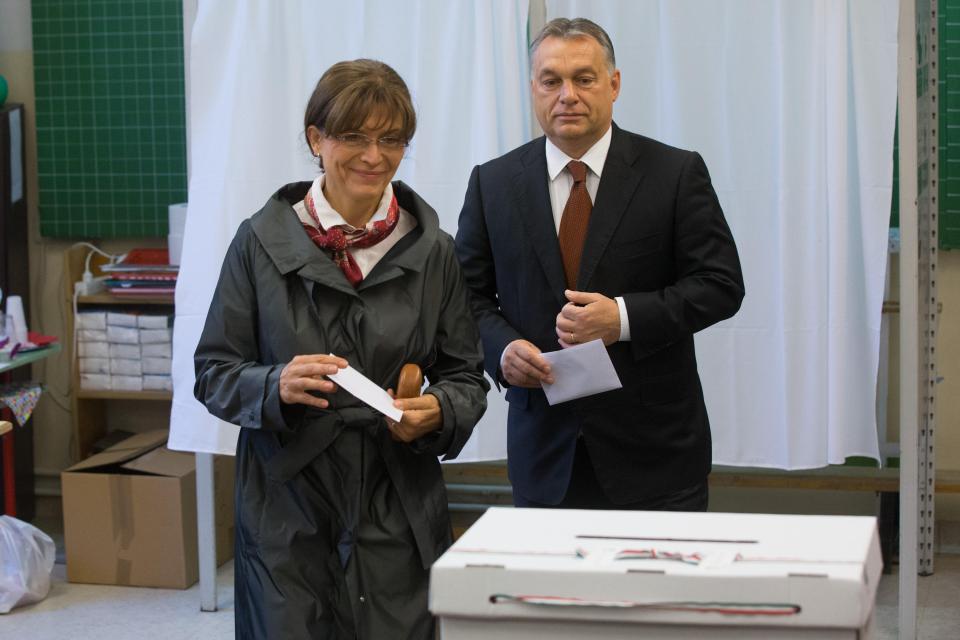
624, 321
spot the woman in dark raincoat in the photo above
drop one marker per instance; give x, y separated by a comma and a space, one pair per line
340, 513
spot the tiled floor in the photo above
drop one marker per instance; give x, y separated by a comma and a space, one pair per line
88, 612
938, 602
92, 612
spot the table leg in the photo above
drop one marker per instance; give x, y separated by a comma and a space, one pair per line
9, 471
889, 525
206, 532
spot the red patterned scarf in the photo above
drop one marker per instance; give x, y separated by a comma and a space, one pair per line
338, 239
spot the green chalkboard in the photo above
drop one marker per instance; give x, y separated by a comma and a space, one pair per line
948, 13
111, 141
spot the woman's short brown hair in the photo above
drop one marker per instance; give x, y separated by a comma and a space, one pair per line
349, 92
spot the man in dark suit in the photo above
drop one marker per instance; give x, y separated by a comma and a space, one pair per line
597, 233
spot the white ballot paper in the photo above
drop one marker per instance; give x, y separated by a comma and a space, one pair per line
366, 391
580, 371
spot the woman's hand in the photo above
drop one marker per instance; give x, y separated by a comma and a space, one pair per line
306, 373
421, 415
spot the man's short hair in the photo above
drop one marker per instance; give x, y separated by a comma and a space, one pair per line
576, 28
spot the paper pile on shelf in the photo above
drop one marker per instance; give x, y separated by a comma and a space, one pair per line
124, 351
144, 272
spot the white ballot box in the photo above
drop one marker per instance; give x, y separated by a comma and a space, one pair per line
559, 574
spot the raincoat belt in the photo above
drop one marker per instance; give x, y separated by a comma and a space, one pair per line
316, 435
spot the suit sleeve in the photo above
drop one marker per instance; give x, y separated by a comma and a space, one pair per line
708, 286
476, 259
230, 380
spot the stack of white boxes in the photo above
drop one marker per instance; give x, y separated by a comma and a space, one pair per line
156, 351
124, 351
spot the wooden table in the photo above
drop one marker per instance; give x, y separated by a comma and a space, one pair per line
7, 435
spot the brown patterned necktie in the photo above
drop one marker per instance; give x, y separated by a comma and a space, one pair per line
573, 223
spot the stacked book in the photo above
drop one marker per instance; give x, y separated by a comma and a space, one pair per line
124, 351
142, 272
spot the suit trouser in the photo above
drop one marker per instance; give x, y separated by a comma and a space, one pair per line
585, 492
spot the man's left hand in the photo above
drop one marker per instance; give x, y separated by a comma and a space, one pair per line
586, 317
421, 415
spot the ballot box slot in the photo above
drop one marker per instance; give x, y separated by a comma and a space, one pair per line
658, 571
585, 536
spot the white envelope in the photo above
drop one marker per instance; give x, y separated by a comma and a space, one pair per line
580, 371
367, 391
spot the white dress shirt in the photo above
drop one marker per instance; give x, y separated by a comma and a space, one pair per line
561, 182
365, 257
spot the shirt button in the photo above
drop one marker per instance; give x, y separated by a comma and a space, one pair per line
362, 599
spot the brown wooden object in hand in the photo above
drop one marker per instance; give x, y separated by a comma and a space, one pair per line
410, 381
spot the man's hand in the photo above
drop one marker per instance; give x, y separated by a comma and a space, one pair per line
586, 317
523, 366
421, 415
306, 373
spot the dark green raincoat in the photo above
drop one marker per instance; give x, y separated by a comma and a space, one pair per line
337, 524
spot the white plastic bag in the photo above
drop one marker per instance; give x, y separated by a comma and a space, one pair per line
26, 560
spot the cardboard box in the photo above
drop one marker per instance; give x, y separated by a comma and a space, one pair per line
130, 514
545, 573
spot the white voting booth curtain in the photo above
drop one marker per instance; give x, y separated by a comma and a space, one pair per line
253, 66
792, 105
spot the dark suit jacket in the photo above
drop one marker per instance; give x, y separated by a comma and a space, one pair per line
657, 237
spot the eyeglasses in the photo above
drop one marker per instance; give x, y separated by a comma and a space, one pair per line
357, 140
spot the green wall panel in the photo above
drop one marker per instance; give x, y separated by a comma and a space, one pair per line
111, 143
948, 23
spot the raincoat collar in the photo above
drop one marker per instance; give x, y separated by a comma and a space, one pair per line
282, 237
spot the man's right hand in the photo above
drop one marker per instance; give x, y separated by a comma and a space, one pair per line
523, 366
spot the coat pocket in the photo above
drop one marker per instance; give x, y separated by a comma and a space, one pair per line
637, 247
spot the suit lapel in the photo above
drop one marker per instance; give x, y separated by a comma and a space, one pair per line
618, 184
533, 203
